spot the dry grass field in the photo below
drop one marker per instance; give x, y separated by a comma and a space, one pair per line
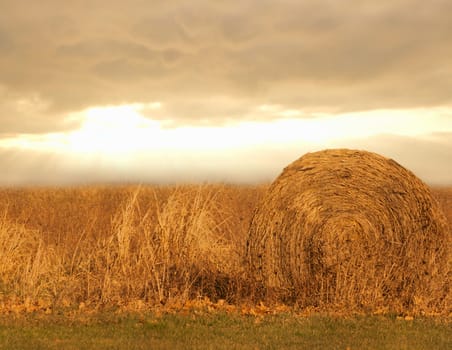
444, 197
121, 245
128, 246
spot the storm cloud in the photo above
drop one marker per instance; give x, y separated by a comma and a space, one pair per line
201, 90
215, 61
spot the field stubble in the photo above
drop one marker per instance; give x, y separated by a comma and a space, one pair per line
129, 246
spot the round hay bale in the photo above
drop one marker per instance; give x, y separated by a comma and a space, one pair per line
354, 229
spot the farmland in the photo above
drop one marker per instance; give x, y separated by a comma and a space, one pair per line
114, 245
172, 254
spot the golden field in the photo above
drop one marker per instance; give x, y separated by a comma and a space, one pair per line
120, 245
128, 245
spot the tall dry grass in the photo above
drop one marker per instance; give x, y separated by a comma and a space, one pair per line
114, 245
444, 197
26, 267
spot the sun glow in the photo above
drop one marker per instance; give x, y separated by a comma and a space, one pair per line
131, 143
121, 131
112, 130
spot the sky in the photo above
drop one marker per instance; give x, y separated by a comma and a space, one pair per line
206, 91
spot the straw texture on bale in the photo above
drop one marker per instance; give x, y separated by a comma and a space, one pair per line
354, 229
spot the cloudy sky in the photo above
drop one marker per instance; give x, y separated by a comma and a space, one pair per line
204, 90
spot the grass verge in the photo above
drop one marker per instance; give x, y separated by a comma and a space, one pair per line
197, 330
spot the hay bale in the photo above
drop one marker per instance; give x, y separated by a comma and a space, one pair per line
350, 228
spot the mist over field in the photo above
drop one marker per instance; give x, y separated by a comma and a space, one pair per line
429, 159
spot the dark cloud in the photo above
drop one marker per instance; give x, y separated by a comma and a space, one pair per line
207, 111
5, 42
29, 114
325, 55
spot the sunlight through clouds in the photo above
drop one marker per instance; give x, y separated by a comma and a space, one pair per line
119, 142
168, 89
115, 131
